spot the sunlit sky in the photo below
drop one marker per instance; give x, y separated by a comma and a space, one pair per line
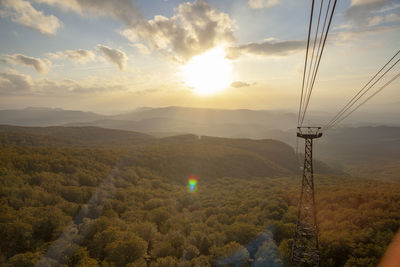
111, 56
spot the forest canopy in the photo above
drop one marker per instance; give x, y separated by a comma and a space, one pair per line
87, 205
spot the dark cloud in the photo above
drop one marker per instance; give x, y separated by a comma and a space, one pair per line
239, 84
267, 48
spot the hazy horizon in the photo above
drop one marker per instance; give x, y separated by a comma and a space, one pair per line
209, 54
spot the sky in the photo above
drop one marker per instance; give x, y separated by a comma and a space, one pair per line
114, 56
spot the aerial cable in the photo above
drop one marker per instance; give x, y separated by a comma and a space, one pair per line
305, 62
313, 50
320, 40
352, 104
366, 100
319, 60
363, 91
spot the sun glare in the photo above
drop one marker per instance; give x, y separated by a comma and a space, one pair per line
208, 73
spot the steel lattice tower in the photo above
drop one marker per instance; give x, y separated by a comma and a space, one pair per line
305, 243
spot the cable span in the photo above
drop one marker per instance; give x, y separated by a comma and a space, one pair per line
305, 62
371, 96
319, 60
358, 96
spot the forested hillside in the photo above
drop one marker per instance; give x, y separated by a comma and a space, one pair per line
73, 136
71, 199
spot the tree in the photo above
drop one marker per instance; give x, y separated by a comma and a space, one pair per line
122, 252
232, 254
165, 262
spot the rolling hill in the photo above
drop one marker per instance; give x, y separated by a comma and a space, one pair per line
45, 116
176, 156
78, 136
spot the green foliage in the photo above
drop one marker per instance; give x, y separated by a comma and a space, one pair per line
126, 250
130, 207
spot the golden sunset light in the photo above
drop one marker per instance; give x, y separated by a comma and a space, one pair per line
153, 133
208, 73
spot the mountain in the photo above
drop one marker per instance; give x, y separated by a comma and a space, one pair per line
213, 122
372, 152
161, 121
361, 143
80, 136
209, 156
169, 121
274, 119
45, 116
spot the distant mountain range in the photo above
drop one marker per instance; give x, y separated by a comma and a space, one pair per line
45, 116
168, 121
69, 136
161, 121
346, 147
210, 156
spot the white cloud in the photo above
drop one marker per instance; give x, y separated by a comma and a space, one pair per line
267, 48
259, 4
361, 33
15, 83
392, 17
115, 56
80, 56
123, 10
362, 12
24, 13
142, 48
193, 29
376, 20
40, 65
12, 82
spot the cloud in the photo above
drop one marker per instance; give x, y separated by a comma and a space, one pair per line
194, 28
392, 17
362, 12
267, 48
259, 4
80, 56
123, 10
142, 48
12, 82
376, 20
24, 13
115, 56
41, 65
360, 33
239, 84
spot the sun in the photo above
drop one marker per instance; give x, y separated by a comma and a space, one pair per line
208, 73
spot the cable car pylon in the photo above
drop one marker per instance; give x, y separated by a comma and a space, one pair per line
305, 251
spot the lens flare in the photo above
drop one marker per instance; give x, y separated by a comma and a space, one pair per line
192, 183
